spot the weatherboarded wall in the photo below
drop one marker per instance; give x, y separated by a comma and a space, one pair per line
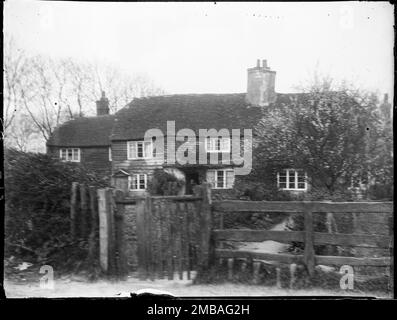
93, 158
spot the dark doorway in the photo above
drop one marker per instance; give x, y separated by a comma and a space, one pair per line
192, 179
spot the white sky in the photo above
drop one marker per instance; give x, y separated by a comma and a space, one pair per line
207, 47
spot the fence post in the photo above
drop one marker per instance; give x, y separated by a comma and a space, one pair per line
94, 225
256, 269
84, 211
73, 202
308, 256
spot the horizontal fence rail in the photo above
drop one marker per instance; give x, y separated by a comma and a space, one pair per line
133, 201
308, 237
356, 240
292, 258
302, 206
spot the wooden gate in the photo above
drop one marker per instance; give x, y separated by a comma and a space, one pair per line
172, 234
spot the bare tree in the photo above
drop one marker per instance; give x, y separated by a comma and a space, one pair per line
22, 133
14, 66
119, 86
52, 91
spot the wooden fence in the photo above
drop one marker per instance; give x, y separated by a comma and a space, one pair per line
307, 236
176, 234
84, 216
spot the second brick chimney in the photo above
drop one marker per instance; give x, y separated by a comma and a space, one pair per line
102, 105
261, 85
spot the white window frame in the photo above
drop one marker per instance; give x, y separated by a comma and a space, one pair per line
145, 156
225, 186
67, 159
130, 179
289, 172
212, 142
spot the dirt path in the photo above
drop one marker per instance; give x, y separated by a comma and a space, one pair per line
268, 246
67, 288
182, 288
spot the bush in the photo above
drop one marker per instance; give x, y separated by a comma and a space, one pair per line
164, 183
37, 216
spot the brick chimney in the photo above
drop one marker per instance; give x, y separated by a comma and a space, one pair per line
261, 85
102, 105
386, 108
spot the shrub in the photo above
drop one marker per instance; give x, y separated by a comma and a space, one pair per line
164, 183
37, 194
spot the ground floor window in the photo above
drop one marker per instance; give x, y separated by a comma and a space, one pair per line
221, 179
70, 154
292, 179
138, 181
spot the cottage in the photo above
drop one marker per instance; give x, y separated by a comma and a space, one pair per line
115, 145
86, 140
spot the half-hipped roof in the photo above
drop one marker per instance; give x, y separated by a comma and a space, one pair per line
83, 132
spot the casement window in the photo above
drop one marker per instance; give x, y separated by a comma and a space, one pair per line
110, 154
137, 181
139, 149
292, 179
217, 144
69, 154
221, 179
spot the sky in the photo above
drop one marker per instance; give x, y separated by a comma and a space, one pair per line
207, 47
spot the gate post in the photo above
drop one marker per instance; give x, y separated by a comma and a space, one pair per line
205, 216
106, 230
140, 232
103, 230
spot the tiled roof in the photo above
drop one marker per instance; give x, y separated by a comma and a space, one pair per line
83, 132
192, 111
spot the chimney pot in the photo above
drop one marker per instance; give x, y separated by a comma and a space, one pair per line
261, 85
258, 63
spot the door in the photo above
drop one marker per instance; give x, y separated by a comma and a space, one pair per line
192, 179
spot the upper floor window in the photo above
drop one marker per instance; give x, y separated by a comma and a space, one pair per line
138, 181
139, 149
217, 144
70, 154
292, 179
221, 179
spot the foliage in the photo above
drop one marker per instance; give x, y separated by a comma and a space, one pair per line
336, 136
164, 183
37, 217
